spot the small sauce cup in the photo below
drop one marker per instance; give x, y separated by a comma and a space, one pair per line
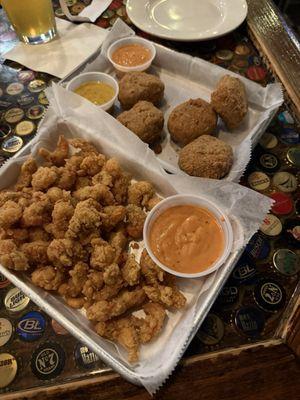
128, 41
180, 200
97, 77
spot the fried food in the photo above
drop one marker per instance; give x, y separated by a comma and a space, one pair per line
62, 212
47, 277
85, 220
27, 170
151, 325
123, 332
229, 100
44, 178
190, 120
144, 120
11, 257
207, 157
168, 296
36, 252
98, 192
38, 213
70, 222
58, 156
103, 254
135, 221
140, 193
131, 271
126, 300
136, 86
64, 252
10, 213
111, 216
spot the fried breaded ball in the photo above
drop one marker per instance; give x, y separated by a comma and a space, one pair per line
136, 86
145, 120
229, 101
207, 157
190, 120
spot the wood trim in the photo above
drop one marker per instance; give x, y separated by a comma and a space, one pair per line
278, 45
258, 372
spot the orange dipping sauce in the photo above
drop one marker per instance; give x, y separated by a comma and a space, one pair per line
187, 238
131, 55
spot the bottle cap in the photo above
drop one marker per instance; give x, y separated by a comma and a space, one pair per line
84, 357
228, 296
250, 321
14, 88
14, 115
5, 131
37, 86
285, 182
48, 361
271, 225
268, 141
211, 331
31, 326
258, 247
286, 262
283, 203
6, 331
245, 270
12, 144
25, 128
3, 281
293, 156
269, 295
15, 300
259, 181
8, 369
268, 162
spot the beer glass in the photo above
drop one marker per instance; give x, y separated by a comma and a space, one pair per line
33, 20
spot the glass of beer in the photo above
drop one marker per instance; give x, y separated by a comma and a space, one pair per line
33, 20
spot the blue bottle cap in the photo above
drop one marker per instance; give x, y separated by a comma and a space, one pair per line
258, 247
31, 326
250, 321
245, 271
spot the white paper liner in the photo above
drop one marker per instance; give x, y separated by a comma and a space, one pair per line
188, 77
73, 45
69, 115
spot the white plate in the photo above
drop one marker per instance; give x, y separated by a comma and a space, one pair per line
187, 20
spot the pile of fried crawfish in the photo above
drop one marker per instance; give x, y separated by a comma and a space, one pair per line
73, 223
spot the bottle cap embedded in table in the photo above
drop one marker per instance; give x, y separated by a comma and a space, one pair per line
15, 300
250, 321
285, 182
84, 357
8, 369
269, 295
6, 331
12, 144
48, 361
283, 203
271, 225
31, 326
286, 262
212, 330
25, 128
